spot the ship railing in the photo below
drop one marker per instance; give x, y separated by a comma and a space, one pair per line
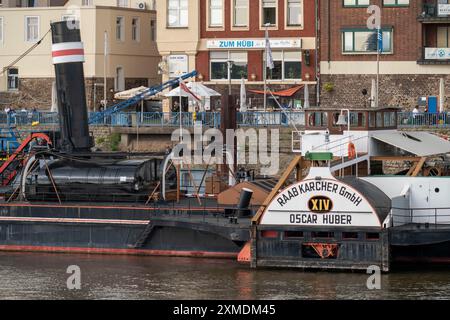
189, 208
426, 216
280, 119
414, 120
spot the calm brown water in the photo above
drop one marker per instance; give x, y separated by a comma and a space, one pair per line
43, 276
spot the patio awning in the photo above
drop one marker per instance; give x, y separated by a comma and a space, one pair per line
421, 144
283, 93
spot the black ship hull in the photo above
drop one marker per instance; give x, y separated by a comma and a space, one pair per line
420, 244
201, 232
171, 231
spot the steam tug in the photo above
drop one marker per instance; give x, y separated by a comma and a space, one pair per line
338, 205
60, 196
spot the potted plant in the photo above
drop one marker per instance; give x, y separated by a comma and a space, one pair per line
328, 87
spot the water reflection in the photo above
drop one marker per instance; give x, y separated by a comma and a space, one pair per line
43, 276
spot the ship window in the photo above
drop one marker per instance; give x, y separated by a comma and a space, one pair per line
357, 119
293, 234
269, 234
371, 119
322, 234
349, 235
389, 119
318, 119
379, 119
372, 236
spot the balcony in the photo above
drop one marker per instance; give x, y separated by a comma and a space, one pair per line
434, 12
435, 56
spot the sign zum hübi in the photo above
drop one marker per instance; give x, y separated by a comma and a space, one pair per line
324, 202
253, 43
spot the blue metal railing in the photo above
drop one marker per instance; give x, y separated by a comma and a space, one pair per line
208, 119
159, 119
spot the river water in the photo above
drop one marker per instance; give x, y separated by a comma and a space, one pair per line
43, 276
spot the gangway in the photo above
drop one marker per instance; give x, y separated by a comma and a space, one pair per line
145, 94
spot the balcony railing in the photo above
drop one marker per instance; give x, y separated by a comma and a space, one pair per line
435, 11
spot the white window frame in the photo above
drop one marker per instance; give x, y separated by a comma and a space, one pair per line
283, 66
233, 10
153, 30
15, 76
136, 29
180, 11
226, 61
357, 4
26, 29
122, 28
117, 85
287, 24
261, 15
86, 3
122, 3
396, 3
353, 52
209, 15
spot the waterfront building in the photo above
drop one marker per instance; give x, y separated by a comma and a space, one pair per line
131, 60
416, 53
209, 35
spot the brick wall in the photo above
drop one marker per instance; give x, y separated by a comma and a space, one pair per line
254, 21
407, 30
37, 93
32, 93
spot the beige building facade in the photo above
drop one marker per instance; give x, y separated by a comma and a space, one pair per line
131, 54
178, 34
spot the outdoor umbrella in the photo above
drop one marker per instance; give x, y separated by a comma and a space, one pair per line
441, 95
306, 93
243, 97
197, 88
373, 93
54, 107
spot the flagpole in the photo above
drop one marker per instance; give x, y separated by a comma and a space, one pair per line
104, 70
378, 64
181, 114
265, 70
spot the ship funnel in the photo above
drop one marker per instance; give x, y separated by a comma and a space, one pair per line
68, 58
244, 202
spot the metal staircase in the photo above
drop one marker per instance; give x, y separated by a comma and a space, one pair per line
144, 235
346, 162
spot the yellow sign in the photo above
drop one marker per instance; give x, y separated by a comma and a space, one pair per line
320, 204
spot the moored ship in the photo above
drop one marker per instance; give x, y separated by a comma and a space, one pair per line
334, 206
